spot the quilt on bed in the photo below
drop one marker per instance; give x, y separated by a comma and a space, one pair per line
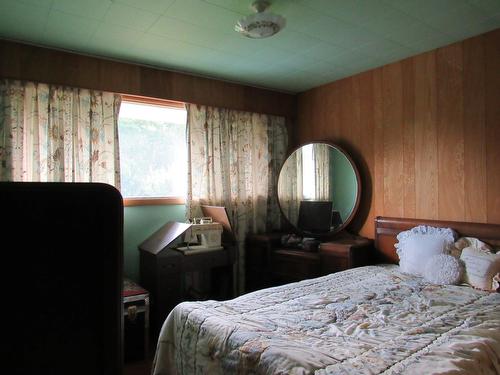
368, 320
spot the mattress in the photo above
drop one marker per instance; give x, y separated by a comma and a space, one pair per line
367, 320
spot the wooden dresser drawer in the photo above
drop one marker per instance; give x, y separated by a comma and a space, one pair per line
291, 265
330, 264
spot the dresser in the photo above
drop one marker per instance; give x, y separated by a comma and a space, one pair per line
269, 263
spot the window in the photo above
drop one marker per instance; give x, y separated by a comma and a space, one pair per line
153, 155
308, 172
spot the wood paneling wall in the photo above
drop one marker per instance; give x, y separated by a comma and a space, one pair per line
20, 61
424, 132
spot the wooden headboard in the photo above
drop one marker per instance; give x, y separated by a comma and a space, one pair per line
387, 228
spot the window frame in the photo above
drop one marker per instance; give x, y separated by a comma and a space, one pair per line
153, 201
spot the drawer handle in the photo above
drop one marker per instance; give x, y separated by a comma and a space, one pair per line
132, 313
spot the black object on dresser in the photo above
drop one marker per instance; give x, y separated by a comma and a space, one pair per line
163, 271
269, 263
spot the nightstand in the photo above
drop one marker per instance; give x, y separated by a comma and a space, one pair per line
289, 265
344, 253
268, 263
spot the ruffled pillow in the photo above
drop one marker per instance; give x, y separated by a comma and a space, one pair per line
448, 235
417, 251
417, 245
443, 269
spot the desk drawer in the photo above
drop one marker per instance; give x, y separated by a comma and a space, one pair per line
210, 259
169, 264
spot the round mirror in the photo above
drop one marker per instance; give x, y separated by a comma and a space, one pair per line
318, 189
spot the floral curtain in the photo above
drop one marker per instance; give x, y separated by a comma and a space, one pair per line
290, 189
58, 134
321, 157
234, 159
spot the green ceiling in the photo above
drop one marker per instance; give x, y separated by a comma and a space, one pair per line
324, 40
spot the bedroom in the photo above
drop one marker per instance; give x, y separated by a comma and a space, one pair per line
422, 127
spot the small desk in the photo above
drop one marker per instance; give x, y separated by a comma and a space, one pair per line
163, 274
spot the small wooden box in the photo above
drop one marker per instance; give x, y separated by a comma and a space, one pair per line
135, 321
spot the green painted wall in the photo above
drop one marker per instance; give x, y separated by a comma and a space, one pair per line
343, 184
139, 223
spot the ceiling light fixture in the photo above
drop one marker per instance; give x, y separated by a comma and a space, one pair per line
262, 24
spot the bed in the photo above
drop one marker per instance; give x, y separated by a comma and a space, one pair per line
367, 320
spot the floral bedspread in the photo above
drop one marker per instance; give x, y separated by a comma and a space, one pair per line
368, 320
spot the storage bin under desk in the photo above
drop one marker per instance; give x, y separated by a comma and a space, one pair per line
135, 321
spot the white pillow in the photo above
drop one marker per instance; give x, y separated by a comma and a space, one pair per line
480, 268
447, 233
417, 245
443, 269
417, 251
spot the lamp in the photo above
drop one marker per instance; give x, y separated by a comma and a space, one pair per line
262, 24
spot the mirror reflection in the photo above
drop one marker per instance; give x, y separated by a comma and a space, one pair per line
317, 188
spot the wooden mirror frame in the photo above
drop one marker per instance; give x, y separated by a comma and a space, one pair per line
356, 203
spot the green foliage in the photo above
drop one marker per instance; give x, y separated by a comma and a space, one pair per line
153, 158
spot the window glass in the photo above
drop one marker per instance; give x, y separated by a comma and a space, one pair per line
153, 155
